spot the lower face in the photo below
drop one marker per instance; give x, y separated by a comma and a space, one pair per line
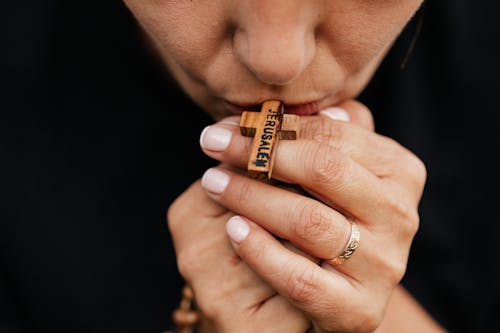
230, 56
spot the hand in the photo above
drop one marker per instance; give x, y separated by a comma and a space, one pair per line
352, 174
231, 297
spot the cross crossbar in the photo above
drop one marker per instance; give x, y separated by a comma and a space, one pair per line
267, 127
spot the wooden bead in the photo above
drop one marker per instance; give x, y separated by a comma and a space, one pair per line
185, 304
187, 292
184, 318
185, 330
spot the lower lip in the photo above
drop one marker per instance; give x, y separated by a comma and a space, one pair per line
303, 109
298, 109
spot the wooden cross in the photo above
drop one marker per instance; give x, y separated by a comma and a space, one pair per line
267, 127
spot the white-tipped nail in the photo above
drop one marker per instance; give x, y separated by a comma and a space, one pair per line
215, 180
237, 229
215, 138
233, 121
336, 113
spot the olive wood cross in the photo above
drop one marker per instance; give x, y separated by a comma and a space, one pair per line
267, 127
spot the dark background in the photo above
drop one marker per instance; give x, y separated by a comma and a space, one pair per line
89, 165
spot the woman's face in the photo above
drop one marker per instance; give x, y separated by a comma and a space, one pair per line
232, 55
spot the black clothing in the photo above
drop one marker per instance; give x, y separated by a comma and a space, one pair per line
90, 164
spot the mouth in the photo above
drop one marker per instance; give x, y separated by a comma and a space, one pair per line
300, 109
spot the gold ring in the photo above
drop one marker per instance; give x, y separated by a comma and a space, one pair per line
352, 245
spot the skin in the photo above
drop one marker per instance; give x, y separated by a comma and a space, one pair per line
278, 263
248, 51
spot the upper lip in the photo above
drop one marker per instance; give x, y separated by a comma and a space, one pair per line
301, 109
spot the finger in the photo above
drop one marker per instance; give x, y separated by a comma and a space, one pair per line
380, 155
298, 251
201, 245
273, 309
351, 111
352, 190
311, 226
392, 162
320, 293
182, 208
223, 140
335, 179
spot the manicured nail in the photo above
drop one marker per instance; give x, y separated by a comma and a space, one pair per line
215, 181
215, 138
335, 113
237, 229
233, 121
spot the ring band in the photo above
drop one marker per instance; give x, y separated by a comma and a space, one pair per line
351, 245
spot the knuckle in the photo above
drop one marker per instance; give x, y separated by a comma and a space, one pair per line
324, 130
359, 113
366, 118
412, 225
413, 165
173, 214
302, 286
258, 250
398, 153
396, 149
327, 166
406, 217
244, 192
210, 307
393, 267
180, 207
418, 169
400, 209
216, 302
368, 320
313, 222
187, 261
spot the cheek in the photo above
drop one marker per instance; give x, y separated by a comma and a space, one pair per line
359, 32
187, 33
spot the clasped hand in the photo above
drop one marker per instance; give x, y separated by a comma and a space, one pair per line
274, 273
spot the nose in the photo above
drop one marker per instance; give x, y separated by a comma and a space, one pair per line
275, 40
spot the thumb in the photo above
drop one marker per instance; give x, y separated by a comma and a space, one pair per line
352, 111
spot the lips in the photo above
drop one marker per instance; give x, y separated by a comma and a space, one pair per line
303, 109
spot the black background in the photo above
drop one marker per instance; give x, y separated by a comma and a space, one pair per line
89, 165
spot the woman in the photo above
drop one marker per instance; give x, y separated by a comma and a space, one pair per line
316, 57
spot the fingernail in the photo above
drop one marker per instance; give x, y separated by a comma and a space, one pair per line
215, 138
335, 113
215, 181
237, 229
233, 121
